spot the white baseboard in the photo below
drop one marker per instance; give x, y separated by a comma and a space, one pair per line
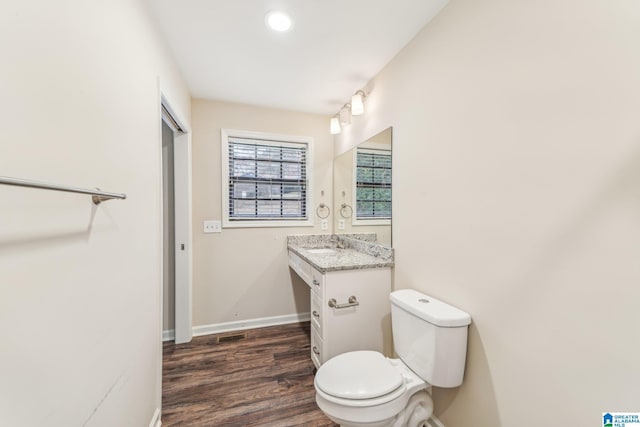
240, 325
155, 421
169, 335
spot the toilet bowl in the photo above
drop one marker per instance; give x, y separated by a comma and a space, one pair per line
364, 388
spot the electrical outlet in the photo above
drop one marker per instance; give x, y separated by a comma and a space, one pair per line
211, 226
324, 224
341, 224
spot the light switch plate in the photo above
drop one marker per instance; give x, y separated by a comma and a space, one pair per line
324, 224
212, 226
341, 224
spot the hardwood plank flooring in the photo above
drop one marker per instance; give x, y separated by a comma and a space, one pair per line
262, 378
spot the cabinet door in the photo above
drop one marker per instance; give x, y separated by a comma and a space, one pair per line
366, 326
317, 349
317, 281
316, 313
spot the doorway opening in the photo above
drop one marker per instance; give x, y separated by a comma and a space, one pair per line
176, 206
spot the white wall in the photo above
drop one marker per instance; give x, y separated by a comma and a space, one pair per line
522, 120
243, 273
80, 285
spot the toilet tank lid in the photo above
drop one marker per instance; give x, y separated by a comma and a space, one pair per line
430, 309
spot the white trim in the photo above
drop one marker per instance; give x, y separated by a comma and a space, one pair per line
269, 223
365, 222
155, 420
240, 325
184, 125
168, 335
266, 136
160, 254
224, 167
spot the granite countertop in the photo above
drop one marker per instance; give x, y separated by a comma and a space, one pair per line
345, 252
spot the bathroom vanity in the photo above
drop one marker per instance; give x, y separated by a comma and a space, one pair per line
350, 281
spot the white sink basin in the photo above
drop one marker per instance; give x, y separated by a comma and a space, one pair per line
322, 251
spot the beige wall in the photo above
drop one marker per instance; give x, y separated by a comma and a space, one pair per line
243, 274
522, 120
80, 321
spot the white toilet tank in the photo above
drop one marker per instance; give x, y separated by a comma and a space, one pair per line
430, 337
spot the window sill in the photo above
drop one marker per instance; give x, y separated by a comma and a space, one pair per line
358, 222
267, 223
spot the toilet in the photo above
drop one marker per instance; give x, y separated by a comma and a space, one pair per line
364, 388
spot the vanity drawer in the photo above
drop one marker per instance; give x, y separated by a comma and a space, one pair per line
316, 349
316, 313
317, 281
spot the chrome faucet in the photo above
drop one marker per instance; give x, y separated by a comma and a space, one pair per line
337, 241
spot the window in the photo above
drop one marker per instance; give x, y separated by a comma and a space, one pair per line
373, 184
265, 180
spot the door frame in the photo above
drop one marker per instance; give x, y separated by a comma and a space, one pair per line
182, 186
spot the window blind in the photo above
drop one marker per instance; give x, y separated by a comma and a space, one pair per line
373, 184
267, 180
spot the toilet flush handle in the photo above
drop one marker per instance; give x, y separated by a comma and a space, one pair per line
353, 301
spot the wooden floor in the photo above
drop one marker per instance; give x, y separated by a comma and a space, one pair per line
263, 379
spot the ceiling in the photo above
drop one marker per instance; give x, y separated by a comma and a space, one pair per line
226, 52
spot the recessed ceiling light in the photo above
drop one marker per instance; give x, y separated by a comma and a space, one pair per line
278, 21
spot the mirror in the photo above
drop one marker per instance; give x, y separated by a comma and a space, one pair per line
362, 188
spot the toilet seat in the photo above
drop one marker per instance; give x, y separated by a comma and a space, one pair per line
388, 383
360, 376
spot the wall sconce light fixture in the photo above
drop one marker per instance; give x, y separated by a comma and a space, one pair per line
357, 106
343, 117
334, 125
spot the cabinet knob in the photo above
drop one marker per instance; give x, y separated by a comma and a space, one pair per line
315, 350
315, 282
315, 314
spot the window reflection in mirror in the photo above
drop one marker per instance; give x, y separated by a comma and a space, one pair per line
363, 190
